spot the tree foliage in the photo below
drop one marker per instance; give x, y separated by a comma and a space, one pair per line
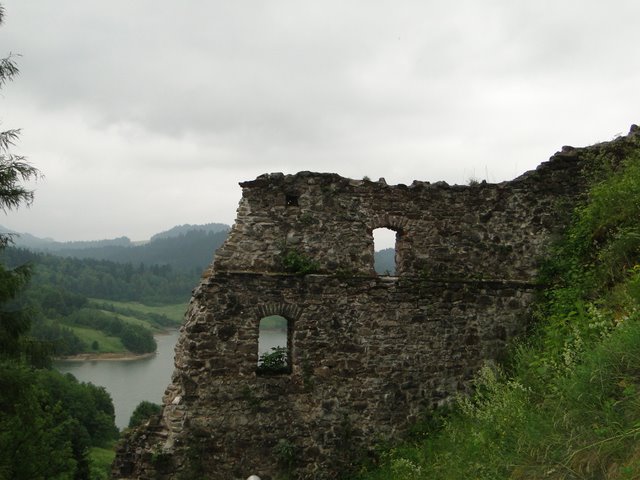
143, 412
14, 322
48, 422
14, 171
275, 361
151, 284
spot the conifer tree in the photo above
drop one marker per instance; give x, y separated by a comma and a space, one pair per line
48, 421
14, 171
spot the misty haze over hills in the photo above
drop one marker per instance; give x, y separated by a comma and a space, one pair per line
27, 240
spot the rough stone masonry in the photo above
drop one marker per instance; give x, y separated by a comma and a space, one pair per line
367, 354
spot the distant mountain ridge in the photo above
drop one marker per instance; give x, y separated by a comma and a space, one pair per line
27, 240
184, 247
182, 229
385, 261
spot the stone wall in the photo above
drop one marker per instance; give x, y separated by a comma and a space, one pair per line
484, 230
368, 354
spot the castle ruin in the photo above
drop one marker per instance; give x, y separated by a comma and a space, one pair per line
366, 354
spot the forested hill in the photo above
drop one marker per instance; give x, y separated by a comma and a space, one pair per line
185, 252
184, 248
385, 263
183, 229
151, 284
98, 306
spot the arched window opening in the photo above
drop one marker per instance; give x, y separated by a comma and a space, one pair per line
274, 352
384, 246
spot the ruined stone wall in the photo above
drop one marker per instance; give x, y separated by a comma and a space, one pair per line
368, 354
479, 231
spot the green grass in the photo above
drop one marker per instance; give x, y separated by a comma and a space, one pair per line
174, 312
133, 313
101, 460
135, 321
106, 344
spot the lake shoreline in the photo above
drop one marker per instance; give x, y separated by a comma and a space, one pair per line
114, 356
109, 356
127, 377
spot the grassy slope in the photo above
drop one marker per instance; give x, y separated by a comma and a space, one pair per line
108, 344
567, 405
173, 311
101, 460
134, 320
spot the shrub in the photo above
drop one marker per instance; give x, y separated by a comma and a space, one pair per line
275, 361
297, 263
143, 412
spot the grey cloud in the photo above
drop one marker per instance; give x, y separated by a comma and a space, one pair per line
207, 93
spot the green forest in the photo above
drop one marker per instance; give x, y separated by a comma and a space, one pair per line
52, 426
185, 248
80, 305
94, 305
50, 423
63, 306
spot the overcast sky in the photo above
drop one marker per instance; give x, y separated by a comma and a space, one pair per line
145, 114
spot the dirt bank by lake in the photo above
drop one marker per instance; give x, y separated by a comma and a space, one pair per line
83, 357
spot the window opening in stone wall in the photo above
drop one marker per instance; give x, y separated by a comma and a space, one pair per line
274, 352
291, 200
384, 246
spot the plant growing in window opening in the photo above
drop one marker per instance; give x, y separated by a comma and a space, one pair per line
275, 361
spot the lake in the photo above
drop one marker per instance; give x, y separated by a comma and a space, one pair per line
131, 381
128, 381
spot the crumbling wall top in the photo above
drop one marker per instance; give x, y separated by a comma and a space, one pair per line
446, 231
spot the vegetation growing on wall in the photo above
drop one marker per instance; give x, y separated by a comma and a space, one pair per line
567, 405
298, 263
